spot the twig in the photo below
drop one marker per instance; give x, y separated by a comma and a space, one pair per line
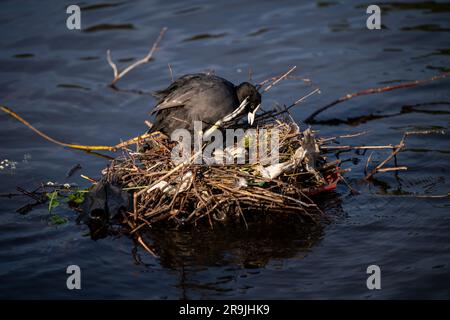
393, 169
431, 131
317, 90
145, 246
341, 148
350, 135
134, 140
148, 124
286, 109
170, 71
392, 155
397, 149
353, 135
88, 179
431, 196
310, 118
73, 146
283, 76
369, 159
119, 75
227, 118
306, 80
112, 64
296, 102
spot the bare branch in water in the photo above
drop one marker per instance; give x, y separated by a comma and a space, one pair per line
112, 64
119, 75
396, 150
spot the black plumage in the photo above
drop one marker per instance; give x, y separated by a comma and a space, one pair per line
201, 97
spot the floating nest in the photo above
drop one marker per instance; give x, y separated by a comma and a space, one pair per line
163, 192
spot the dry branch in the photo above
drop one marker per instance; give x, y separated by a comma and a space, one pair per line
342, 148
280, 78
275, 113
392, 169
396, 150
119, 75
131, 141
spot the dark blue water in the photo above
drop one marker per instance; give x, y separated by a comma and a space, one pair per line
57, 79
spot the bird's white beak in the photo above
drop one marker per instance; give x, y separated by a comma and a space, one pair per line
251, 115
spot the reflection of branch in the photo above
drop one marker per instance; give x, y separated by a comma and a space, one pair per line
349, 96
354, 121
118, 75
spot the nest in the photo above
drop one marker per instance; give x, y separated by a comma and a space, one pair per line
182, 194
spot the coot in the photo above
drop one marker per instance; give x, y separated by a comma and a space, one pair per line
201, 97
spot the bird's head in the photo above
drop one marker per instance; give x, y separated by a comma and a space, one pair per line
245, 90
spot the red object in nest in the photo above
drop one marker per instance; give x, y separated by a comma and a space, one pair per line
332, 180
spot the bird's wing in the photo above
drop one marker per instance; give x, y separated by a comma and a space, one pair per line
177, 96
170, 102
175, 86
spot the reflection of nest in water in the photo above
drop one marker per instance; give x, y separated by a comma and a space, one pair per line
188, 194
234, 245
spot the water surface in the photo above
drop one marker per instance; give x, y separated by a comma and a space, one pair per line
57, 79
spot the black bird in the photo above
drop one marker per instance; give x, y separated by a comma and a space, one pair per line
201, 97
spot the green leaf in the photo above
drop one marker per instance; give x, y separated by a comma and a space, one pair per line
259, 183
52, 200
55, 219
247, 142
76, 198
